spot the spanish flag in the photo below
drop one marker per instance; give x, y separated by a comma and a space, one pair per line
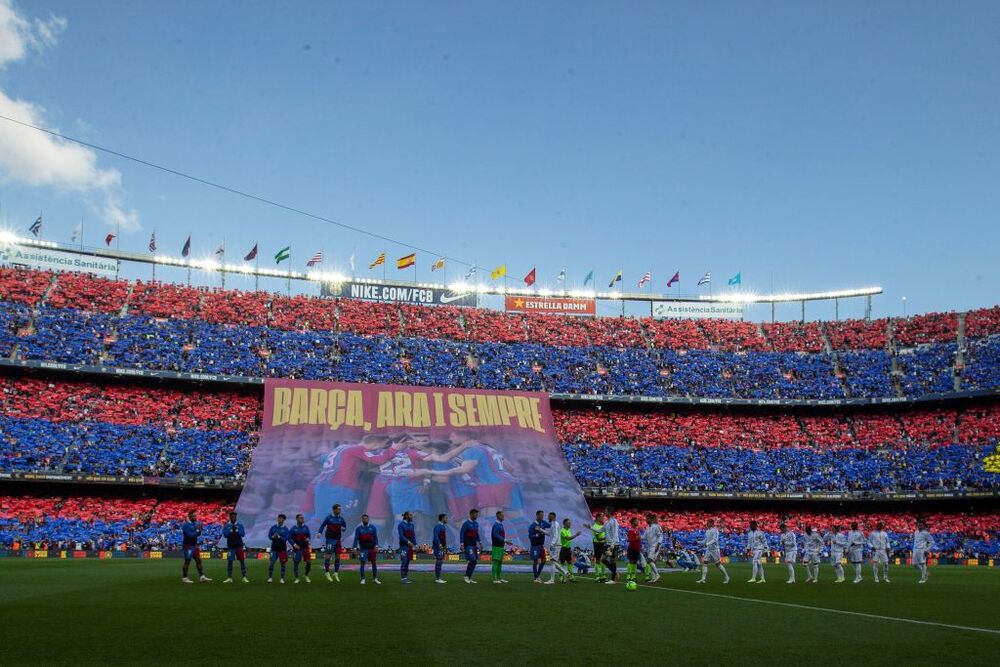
499, 272
378, 261
616, 279
407, 261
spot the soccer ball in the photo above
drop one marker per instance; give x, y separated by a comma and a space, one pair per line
631, 586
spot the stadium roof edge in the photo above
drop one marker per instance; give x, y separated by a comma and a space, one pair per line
319, 277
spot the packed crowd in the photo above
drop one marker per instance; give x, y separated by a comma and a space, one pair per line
82, 319
81, 427
117, 524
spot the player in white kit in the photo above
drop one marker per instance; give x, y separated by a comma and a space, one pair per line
756, 547
654, 541
856, 550
790, 551
878, 542
838, 543
713, 554
555, 545
923, 544
813, 545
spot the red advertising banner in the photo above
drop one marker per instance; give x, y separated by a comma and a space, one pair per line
382, 450
550, 305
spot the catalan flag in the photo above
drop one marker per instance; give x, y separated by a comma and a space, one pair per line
406, 261
498, 272
616, 279
379, 261
439, 264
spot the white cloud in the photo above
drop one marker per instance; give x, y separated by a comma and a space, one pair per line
33, 158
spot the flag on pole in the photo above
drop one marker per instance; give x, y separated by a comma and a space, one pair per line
283, 254
439, 264
706, 279
252, 255
317, 258
379, 261
561, 278
406, 261
529, 279
108, 239
472, 272
616, 279
152, 242
36, 227
352, 261
498, 272
736, 280
77, 231
646, 277
221, 250
589, 278
186, 250
675, 279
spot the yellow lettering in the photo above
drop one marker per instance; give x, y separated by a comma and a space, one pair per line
456, 416
317, 406
282, 398
385, 414
507, 410
421, 411
523, 408
335, 409
300, 407
438, 408
355, 408
536, 415
404, 408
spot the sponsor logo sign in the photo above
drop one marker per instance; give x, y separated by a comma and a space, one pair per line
56, 260
697, 310
410, 294
550, 305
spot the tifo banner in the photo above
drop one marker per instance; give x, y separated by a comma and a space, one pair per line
56, 260
550, 305
382, 450
698, 310
413, 294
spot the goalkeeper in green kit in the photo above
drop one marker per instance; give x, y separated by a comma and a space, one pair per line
498, 540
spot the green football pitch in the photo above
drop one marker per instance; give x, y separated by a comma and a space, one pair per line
134, 611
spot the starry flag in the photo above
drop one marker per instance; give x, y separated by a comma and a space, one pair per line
705, 279
646, 277
252, 254
317, 258
186, 250
152, 242
36, 227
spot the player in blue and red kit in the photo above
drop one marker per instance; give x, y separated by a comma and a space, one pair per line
332, 529
191, 531
440, 545
234, 533
366, 542
407, 540
299, 535
536, 539
471, 544
278, 534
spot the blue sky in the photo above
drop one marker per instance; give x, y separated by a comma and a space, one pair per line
808, 145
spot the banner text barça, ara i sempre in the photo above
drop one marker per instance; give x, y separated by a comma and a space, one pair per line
382, 450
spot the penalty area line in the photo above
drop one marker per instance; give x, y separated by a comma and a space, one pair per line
793, 605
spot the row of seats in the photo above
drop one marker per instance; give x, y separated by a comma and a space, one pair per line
972, 424
304, 313
189, 345
784, 470
110, 523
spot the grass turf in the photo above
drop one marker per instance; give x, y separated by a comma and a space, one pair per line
125, 611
